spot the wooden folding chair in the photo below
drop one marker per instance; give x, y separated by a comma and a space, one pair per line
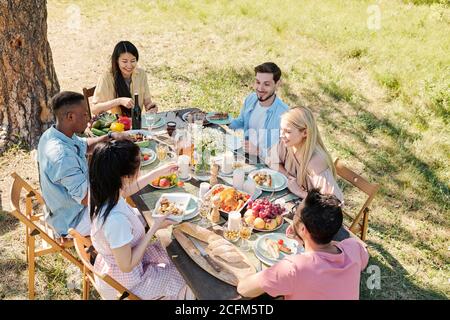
36, 226
86, 252
88, 92
360, 222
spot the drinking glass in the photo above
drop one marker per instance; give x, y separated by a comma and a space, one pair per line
231, 235
245, 232
204, 208
161, 152
149, 119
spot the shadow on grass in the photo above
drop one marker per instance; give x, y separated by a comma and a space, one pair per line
11, 269
8, 223
395, 280
379, 160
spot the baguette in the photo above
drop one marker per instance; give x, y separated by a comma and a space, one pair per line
198, 232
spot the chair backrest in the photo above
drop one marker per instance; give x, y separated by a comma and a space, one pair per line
36, 222
370, 189
88, 92
17, 187
86, 250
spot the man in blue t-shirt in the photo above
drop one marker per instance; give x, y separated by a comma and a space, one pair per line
63, 169
260, 114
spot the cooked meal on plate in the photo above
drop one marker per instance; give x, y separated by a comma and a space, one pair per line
168, 208
137, 137
219, 116
274, 248
263, 179
229, 199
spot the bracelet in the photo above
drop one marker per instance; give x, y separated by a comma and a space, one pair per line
153, 239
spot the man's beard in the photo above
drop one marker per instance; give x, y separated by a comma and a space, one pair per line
270, 96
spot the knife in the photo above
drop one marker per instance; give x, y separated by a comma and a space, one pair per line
204, 254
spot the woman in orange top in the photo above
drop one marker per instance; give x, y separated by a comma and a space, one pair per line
116, 88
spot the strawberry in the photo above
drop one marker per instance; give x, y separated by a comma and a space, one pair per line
146, 157
280, 242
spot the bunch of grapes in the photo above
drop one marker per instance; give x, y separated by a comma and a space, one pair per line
264, 209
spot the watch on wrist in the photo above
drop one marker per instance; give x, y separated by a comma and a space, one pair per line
110, 135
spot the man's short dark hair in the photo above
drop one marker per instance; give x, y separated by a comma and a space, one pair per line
269, 67
322, 216
65, 99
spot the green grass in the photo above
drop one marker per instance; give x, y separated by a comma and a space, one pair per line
382, 100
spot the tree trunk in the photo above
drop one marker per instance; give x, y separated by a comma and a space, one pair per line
27, 75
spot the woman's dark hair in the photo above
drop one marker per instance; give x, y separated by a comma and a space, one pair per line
110, 162
322, 216
120, 85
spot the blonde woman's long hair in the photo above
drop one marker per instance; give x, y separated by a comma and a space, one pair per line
302, 118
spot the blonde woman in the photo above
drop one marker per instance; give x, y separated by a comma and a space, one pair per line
302, 156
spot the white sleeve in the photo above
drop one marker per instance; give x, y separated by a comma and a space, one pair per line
118, 230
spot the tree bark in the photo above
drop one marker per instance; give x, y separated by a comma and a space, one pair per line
27, 75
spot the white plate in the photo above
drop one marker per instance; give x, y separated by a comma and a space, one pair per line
261, 247
279, 181
162, 188
152, 155
181, 200
191, 209
141, 131
185, 115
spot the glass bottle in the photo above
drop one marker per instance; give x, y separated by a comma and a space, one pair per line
136, 116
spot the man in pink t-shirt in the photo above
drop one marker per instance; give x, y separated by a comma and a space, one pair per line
326, 270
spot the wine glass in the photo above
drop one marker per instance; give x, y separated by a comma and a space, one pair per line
245, 232
149, 120
161, 152
204, 208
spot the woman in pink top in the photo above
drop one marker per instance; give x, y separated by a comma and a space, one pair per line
326, 270
301, 155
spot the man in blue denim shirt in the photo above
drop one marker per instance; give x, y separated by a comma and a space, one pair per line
63, 169
260, 115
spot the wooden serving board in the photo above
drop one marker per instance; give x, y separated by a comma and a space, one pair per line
230, 273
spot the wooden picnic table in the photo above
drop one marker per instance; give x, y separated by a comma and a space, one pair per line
204, 285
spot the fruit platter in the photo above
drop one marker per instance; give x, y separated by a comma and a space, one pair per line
105, 122
227, 198
264, 215
165, 182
